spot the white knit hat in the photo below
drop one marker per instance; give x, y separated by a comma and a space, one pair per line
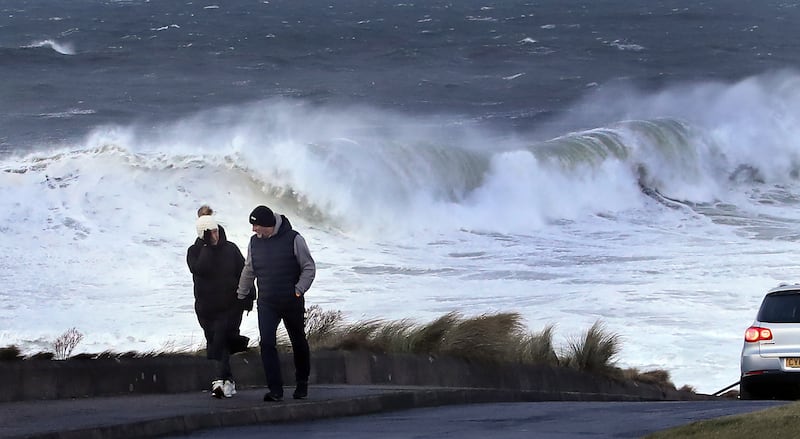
205, 222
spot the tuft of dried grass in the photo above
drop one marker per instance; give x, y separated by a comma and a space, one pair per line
595, 352
393, 336
690, 389
486, 338
658, 377
630, 374
429, 338
537, 348
172, 348
356, 336
322, 326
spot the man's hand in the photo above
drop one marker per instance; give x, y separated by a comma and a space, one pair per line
246, 302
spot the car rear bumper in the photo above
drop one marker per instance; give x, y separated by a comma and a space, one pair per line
771, 384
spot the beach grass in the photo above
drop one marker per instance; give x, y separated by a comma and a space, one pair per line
596, 351
487, 338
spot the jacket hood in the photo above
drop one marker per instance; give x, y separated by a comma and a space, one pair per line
282, 225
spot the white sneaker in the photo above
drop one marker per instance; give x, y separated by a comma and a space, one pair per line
217, 389
229, 388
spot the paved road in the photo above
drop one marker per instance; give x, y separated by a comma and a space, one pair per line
541, 420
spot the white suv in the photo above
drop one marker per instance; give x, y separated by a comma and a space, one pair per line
771, 354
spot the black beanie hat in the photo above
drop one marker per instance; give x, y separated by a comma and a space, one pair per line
262, 216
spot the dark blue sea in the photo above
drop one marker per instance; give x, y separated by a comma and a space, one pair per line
634, 163
518, 65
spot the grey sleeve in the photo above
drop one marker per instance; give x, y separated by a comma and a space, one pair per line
248, 277
308, 269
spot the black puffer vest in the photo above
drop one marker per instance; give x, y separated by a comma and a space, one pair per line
275, 265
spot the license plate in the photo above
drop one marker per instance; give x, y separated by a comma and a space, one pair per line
793, 362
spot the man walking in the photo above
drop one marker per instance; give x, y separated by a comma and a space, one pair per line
280, 264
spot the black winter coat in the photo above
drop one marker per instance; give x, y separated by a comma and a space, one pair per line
215, 271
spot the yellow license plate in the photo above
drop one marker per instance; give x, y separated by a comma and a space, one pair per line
793, 362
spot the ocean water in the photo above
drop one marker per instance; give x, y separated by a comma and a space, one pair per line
635, 163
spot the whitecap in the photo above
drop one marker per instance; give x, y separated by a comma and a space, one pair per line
473, 18
62, 48
170, 26
621, 45
69, 113
508, 78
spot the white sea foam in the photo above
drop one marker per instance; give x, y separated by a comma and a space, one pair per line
622, 45
167, 27
514, 76
68, 113
668, 222
62, 48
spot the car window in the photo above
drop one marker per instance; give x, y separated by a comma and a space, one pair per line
780, 308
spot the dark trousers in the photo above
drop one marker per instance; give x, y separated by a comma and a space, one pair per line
293, 316
219, 329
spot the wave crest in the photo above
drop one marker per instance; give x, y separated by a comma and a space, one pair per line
62, 48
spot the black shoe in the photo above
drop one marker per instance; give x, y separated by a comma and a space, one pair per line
272, 396
301, 392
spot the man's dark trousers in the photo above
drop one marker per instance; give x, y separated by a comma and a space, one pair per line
270, 315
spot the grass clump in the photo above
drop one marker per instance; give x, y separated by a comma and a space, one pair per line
537, 348
595, 352
658, 377
356, 336
394, 336
489, 338
483, 338
486, 338
428, 337
322, 325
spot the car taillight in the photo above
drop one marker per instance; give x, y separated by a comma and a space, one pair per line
757, 333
